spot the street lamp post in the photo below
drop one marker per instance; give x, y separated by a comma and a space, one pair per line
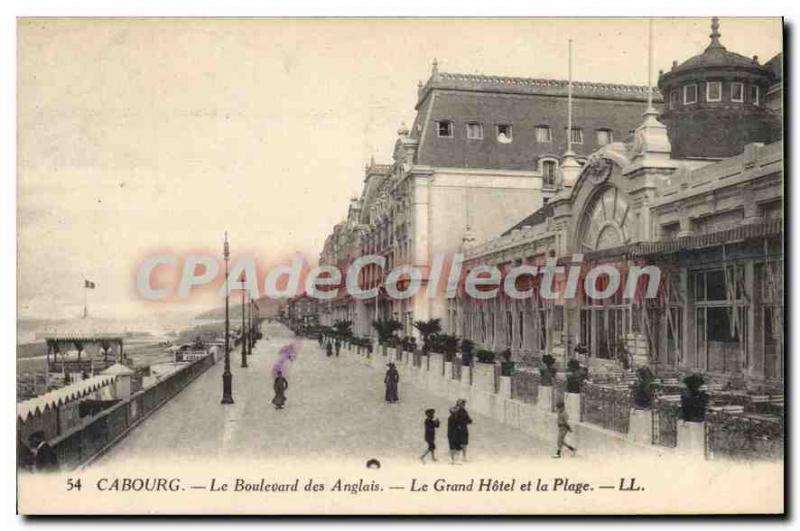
243, 339
227, 377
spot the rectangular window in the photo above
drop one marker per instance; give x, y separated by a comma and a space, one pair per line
576, 135
549, 172
474, 131
544, 134
713, 91
674, 98
445, 129
504, 134
737, 92
689, 94
754, 94
604, 136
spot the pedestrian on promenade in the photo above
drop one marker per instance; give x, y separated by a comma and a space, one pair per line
44, 457
329, 349
430, 434
280, 386
563, 429
453, 434
338, 346
391, 379
463, 419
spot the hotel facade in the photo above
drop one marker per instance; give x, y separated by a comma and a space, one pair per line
692, 184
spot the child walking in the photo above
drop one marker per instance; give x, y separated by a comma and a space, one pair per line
563, 429
430, 434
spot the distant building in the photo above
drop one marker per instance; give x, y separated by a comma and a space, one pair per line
482, 152
303, 309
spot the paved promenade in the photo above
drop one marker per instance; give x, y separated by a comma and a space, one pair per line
335, 409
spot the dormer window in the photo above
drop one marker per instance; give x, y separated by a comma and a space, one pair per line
754, 94
549, 168
576, 135
714, 91
604, 136
737, 92
544, 134
445, 128
674, 99
504, 134
474, 131
689, 94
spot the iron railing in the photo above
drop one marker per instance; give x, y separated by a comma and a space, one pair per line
666, 414
606, 406
746, 437
89, 439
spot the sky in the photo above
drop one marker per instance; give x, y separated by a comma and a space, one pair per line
141, 136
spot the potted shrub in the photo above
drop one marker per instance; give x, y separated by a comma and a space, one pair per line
644, 389
547, 370
427, 329
485, 356
449, 347
467, 347
694, 401
575, 376
506, 366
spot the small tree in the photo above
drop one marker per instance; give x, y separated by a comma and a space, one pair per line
343, 329
426, 330
386, 328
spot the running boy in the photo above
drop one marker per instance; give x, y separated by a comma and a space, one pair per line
563, 429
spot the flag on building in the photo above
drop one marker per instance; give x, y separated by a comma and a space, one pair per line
88, 284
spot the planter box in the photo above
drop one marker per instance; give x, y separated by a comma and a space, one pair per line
505, 387
572, 405
545, 399
483, 377
692, 439
641, 426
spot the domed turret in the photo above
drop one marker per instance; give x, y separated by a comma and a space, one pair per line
714, 102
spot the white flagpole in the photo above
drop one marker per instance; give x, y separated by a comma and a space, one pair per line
569, 102
650, 108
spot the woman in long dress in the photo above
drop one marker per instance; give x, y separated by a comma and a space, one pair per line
391, 379
280, 386
463, 420
454, 434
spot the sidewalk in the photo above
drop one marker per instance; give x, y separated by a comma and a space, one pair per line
335, 409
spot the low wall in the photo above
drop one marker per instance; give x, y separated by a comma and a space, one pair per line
490, 395
89, 440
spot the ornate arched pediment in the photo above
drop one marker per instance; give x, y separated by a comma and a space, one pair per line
605, 221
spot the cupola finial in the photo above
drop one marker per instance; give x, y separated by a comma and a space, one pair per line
715, 34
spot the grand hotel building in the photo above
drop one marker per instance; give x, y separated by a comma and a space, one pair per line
693, 185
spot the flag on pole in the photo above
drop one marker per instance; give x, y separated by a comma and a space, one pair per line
88, 284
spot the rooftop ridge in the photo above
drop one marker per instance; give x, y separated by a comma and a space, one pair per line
542, 82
